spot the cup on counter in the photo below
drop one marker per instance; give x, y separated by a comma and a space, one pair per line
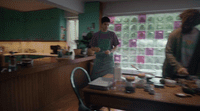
85, 51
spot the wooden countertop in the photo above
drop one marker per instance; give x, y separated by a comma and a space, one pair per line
42, 54
42, 64
162, 95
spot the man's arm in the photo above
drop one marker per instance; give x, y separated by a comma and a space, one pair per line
113, 50
178, 68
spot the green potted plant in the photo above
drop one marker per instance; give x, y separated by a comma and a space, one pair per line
84, 43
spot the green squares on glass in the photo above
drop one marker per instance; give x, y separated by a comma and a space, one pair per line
118, 20
133, 35
125, 43
124, 58
125, 27
125, 65
169, 18
134, 19
169, 26
150, 35
141, 66
160, 18
140, 51
125, 19
133, 51
133, 27
159, 26
149, 59
142, 27
150, 26
118, 34
150, 18
126, 35
111, 27
149, 66
167, 33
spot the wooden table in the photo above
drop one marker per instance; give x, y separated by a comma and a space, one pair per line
163, 100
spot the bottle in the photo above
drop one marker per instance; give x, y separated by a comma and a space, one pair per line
117, 72
60, 53
117, 76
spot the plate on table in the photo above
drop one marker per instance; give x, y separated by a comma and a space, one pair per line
182, 76
183, 95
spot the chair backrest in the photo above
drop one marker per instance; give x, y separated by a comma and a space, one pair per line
79, 79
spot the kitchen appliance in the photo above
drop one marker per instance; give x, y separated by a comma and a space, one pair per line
2, 60
55, 48
1, 49
12, 63
26, 61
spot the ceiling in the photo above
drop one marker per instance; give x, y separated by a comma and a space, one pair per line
33, 5
106, 0
24, 5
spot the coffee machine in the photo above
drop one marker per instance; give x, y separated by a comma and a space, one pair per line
55, 48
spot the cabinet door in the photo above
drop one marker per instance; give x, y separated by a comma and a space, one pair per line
13, 29
2, 27
50, 29
42, 29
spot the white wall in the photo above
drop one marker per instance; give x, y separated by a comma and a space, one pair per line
148, 6
73, 6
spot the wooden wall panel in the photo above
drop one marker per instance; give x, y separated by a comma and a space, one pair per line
35, 91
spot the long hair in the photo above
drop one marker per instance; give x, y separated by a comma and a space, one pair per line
190, 18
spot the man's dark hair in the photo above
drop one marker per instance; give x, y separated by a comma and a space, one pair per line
105, 19
190, 18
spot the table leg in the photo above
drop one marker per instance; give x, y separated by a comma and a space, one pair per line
87, 99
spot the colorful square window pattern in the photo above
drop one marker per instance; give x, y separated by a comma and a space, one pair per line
143, 38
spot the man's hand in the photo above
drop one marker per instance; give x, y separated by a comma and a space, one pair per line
183, 71
107, 52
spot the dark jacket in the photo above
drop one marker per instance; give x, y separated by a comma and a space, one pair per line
173, 56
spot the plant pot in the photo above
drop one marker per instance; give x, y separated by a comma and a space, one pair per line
77, 51
90, 52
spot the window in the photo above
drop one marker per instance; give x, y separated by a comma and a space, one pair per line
72, 33
143, 39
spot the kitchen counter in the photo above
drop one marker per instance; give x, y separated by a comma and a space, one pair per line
34, 87
42, 64
40, 54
